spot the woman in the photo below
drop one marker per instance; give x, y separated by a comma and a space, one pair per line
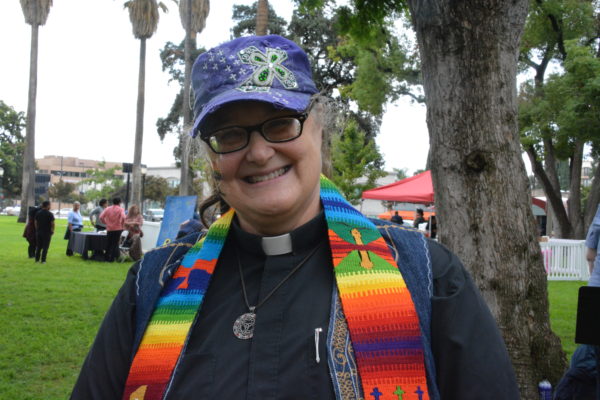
74, 224
133, 224
292, 293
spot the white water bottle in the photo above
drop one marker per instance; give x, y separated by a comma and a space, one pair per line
545, 389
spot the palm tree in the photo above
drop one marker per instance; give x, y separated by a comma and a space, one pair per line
144, 16
36, 13
262, 17
193, 15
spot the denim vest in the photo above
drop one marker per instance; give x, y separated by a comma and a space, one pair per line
408, 247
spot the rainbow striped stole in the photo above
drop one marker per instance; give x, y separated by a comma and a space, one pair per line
381, 317
167, 332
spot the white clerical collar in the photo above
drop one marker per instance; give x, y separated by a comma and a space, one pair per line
277, 245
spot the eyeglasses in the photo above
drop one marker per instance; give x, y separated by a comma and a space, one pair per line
276, 130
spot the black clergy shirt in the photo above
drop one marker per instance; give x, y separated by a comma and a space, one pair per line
280, 361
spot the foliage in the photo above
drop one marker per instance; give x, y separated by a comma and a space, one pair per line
559, 112
144, 16
12, 147
36, 11
200, 10
244, 18
401, 173
172, 58
354, 157
371, 70
63, 191
156, 188
106, 184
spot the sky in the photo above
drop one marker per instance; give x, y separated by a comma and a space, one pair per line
88, 75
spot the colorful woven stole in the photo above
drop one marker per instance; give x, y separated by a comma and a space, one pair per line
382, 320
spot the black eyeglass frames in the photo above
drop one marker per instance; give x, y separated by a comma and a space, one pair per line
275, 130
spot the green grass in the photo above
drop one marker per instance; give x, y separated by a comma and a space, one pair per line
50, 313
562, 296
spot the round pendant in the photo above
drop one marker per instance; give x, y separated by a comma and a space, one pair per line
243, 327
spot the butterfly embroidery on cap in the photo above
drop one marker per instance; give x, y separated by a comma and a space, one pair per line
268, 67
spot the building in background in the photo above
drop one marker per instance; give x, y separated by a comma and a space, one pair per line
171, 174
51, 169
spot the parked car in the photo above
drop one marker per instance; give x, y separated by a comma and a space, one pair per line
154, 214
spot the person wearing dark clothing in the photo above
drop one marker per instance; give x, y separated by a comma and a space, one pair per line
29, 232
44, 226
215, 361
419, 219
292, 293
397, 219
432, 226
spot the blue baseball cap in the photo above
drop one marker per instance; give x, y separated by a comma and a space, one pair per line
270, 69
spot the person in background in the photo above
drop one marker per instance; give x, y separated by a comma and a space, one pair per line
44, 227
292, 293
95, 215
29, 232
419, 219
113, 217
432, 226
592, 242
133, 224
75, 224
397, 218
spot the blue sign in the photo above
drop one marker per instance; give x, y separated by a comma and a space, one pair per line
177, 210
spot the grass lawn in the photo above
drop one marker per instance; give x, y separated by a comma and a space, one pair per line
49, 313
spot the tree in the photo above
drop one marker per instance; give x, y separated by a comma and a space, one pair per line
245, 18
104, 180
156, 189
144, 17
468, 52
173, 61
36, 14
12, 147
354, 158
62, 191
193, 15
262, 17
551, 134
401, 173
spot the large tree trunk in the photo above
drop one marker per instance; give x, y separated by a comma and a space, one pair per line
28, 179
262, 17
136, 185
469, 61
184, 139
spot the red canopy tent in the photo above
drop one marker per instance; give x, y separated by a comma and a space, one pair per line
416, 189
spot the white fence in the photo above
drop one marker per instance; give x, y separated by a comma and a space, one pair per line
564, 260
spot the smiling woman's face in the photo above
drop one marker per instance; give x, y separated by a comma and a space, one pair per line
274, 187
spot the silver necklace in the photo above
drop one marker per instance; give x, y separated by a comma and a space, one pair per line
243, 327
